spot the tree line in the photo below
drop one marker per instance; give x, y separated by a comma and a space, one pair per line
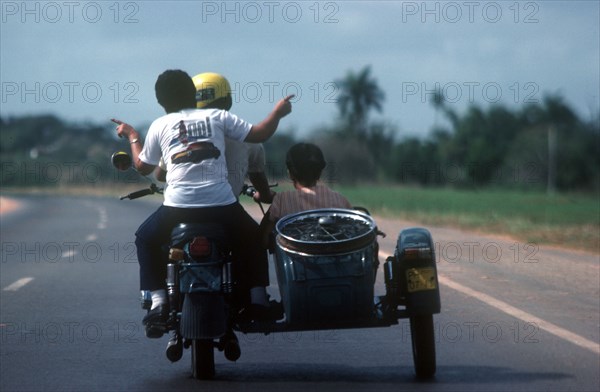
46, 151
545, 145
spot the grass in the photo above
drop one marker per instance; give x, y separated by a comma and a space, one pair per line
568, 220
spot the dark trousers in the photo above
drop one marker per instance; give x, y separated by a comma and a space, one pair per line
250, 259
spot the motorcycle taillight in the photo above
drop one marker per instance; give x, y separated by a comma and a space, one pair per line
199, 247
417, 253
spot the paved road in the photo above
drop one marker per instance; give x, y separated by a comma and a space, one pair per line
514, 316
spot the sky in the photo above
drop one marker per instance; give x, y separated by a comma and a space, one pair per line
89, 61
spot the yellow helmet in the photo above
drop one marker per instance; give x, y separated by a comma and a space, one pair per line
210, 86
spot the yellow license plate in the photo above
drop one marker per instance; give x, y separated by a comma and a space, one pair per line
419, 279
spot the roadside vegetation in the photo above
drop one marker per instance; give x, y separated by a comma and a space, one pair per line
532, 172
569, 219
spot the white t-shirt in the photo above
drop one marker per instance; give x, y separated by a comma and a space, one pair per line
242, 158
192, 181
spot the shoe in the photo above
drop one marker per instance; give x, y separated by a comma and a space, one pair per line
230, 346
255, 312
156, 321
275, 311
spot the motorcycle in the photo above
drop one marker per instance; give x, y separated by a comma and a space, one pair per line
326, 262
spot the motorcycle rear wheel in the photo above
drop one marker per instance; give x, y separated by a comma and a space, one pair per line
203, 359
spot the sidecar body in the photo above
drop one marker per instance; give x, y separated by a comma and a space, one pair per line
326, 262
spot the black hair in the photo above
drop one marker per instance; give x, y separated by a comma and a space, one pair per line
305, 163
175, 91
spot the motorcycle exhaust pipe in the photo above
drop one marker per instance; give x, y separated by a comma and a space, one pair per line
174, 349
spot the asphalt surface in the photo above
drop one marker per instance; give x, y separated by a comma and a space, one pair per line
515, 316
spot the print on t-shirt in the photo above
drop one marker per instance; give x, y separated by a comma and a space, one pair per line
196, 152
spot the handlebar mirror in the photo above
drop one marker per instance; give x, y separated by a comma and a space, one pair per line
121, 160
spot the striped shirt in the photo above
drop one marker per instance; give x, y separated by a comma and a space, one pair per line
319, 196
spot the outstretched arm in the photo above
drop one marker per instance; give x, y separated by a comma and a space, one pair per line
127, 131
266, 128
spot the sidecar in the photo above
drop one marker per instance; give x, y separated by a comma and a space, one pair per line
326, 262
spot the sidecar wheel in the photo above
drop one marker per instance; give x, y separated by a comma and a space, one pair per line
203, 359
423, 345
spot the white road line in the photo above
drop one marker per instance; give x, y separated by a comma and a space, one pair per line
518, 313
102, 218
68, 254
18, 284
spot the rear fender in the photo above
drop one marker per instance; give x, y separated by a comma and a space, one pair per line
204, 311
203, 316
416, 271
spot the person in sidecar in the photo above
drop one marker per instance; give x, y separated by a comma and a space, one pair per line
305, 163
192, 142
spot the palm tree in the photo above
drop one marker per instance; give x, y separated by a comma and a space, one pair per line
359, 93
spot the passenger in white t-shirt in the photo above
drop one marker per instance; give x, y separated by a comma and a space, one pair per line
191, 142
247, 160
244, 160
